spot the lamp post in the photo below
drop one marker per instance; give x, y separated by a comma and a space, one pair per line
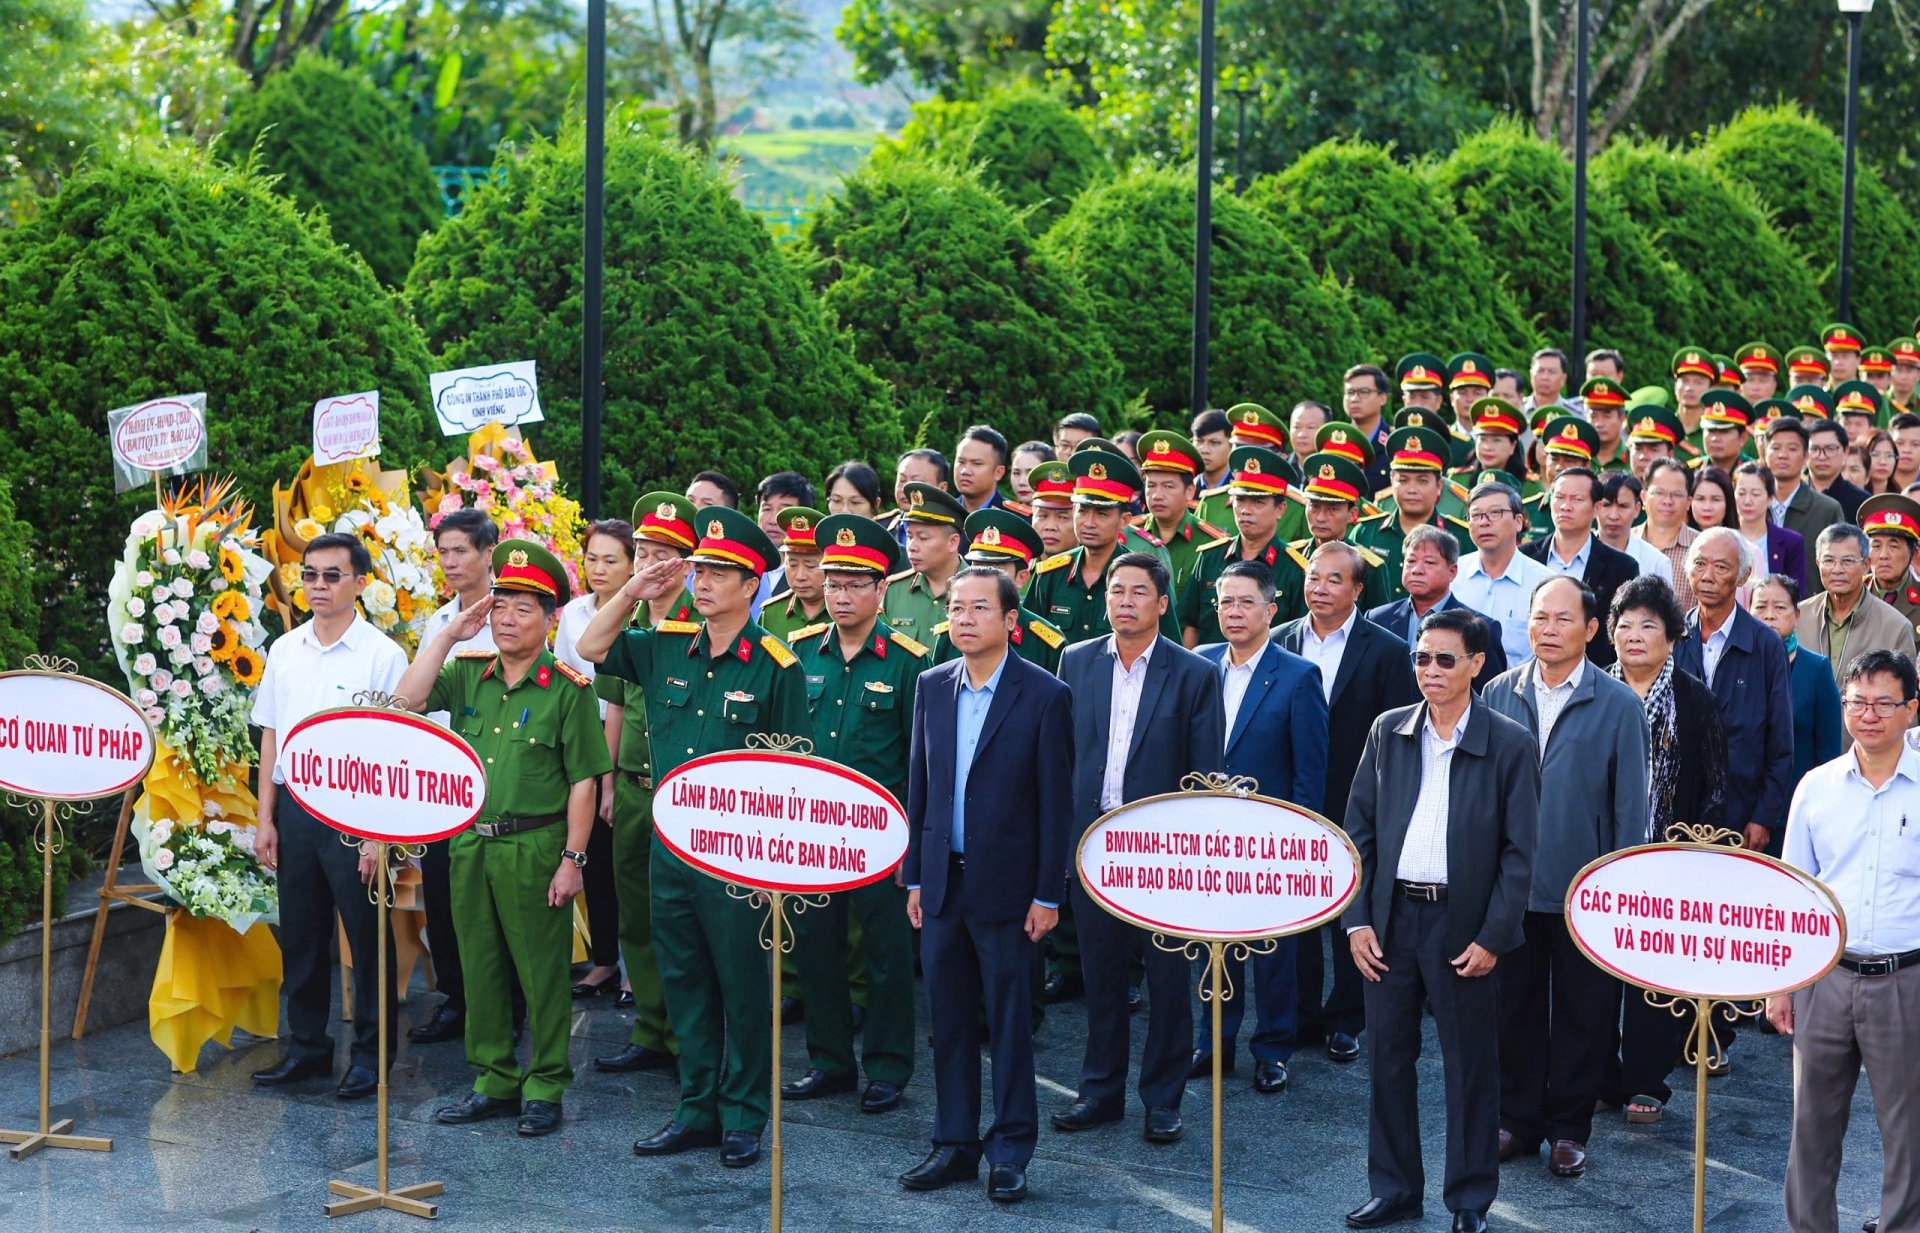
1854, 11
1203, 211
1581, 56
1241, 94
593, 258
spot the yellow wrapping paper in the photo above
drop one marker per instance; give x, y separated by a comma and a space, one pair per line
211, 980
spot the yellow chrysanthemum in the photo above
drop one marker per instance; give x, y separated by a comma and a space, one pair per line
300, 599
322, 513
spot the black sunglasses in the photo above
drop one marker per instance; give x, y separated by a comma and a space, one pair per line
1446, 659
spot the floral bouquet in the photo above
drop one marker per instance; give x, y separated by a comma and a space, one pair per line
211, 871
521, 494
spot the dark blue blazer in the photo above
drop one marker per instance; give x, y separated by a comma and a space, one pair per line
1180, 727
1817, 734
1018, 802
1279, 735
1397, 617
1754, 688
1787, 554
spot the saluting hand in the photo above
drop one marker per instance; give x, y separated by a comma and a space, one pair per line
655, 581
472, 620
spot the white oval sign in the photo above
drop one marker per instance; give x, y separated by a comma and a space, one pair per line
66, 738
346, 428
1219, 865
386, 775
1706, 922
159, 435
779, 821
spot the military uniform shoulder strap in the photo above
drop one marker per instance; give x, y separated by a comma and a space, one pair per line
911, 647
1222, 542
572, 673
1373, 559
1697, 463
781, 598
778, 649
939, 629
1299, 558
1046, 633
1458, 489
1015, 507
1294, 494
475, 654
905, 573
1207, 528
1150, 537
808, 631
678, 627
1053, 562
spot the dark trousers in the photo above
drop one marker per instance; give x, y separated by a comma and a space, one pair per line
1323, 1013
1275, 1000
443, 940
319, 876
603, 900
1106, 948
969, 961
1557, 1014
1465, 1015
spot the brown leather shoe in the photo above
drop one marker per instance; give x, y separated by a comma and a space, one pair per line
1568, 1159
1511, 1147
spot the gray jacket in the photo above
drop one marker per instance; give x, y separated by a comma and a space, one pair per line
1593, 780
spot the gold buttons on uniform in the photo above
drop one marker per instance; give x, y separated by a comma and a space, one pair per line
709, 676
496, 732
489, 761
702, 714
833, 734
689, 751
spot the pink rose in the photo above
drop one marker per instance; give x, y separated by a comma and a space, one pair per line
449, 503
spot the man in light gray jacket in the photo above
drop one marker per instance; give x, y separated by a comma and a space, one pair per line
1557, 1009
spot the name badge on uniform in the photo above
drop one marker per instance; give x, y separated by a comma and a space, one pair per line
467, 711
880, 687
1062, 610
738, 695
816, 680
676, 682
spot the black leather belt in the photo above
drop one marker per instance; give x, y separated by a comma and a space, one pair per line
1426, 892
1880, 965
644, 782
503, 827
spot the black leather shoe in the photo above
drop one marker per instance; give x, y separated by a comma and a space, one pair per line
1061, 987
625, 1000
943, 1167
1872, 1225
1269, 1077
357, 1082
673, 1137
817, 1083
541, 1117
610, 985
1469, 1222
1163, 1126
878, 1098
1376, 1212
292, 1069
634, 1057
1085, 1114
1134, 1000
1343, 1047
1006, 1183
1202, 1066
792, 1010
476, 1108
446, 1024
739, 1148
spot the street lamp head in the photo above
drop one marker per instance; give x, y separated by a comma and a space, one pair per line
1855, 6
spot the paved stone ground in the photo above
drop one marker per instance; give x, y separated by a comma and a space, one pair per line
209, 1151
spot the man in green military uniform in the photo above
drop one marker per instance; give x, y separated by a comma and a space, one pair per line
1694, 372
1334, 483
1453, 494
1653, 433
1876, 369
1169, 464
1724, 420
1806, 366
1260, 483
1251, 424
802, 602
1728, 376
1052, 503
1759, 366
1007, 543
860, 677
1842, 343
1892, 524
1416, 456
1811, 402
534, 724
1902, 397
708, 686
1606, 403
1469, 379
1070, 590
916, 599
662, 531
1860, 408
1422, 378
1567, 441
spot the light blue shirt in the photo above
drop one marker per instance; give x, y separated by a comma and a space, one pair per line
1576, 568
967, 724
1506, 599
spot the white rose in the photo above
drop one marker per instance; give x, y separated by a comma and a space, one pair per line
163, 859
201, 664
207, 623
131, 634
161, 832
219, 828
183, 588
155, 715
169, 636
161, 678
143, 580
145, 664
171, 556
219, 583
182, 689
162, 594
164, 613
146, 698
211, 685
136, 607
202, 645
198, 560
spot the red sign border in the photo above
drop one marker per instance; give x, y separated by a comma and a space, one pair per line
1799, 875
1346, 899
401, 717
764, 756
326, 404
200, 424
139, 716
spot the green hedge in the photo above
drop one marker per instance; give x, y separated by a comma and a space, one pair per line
1420, 281
1794, 165
1751, 284
1279, 332
1515, 193
337, 143
1029, 145
717, 352
170, 275
19, 609
949, 302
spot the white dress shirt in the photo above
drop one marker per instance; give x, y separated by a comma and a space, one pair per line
574, 618
1506, 599
1127, 684
1550, 700
1864, 843
1423, 857
1234, 680
302, 677
1714, 647
1575, 568
1650, 559
1327, 654
442, 617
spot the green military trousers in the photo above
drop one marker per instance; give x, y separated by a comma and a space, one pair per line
500, 908
718, 987
820, 951
632, 867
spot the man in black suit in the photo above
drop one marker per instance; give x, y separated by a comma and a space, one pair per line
1443, 812
1146, 713
1429, 562
1364, 670
988, 855
1574, 550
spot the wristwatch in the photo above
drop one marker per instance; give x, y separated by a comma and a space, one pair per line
579, 859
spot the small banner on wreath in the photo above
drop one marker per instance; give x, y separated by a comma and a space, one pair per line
162, 436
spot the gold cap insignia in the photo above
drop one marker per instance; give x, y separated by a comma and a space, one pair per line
715, 530
1569, 433
919, 498
1416, 420
1645, 425
1338, 437
1326, 470
845, 539
1162, 446
666, 512
1097, 471
1252, 467
1692, 358
1251, 417
799, 524
517, 558
990, 536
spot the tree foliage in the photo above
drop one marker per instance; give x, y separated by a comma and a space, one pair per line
1751, 285
337, 144
957, 50
949, 302
1515, 193
1793, 164
1029, 146
1277, 332
1419, 279
172, 275
19, 611
717, 352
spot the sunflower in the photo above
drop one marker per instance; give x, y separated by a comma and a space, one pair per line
357, 482
232, 606
232, 568
246, 666
226, 642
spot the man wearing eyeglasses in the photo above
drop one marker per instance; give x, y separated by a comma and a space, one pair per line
1499, 579
1847, 619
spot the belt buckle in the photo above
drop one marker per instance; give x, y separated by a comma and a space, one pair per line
489, 830
1874, 967
1422, 891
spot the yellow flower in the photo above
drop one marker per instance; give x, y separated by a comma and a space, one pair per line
232, 568
300, 599
232, 606
226, 643
357, 482
309, 529
246, 666
322, 513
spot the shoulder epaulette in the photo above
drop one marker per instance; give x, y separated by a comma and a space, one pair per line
1015, 507
1373, 559
1294, 494
1224, 539
1457, 521
678, 627
818, 627
1302, 542
1459, 489
1151, 538
1298, 558
1535, 498
939, 629
1697, 462
1209, 529
1053, 562
475, 654
1367, 510
780, 598
1138, 520
572, 673
1690, 447
1380, 517
1384, 492
912, 647
778, 649
1046, 633
905, 573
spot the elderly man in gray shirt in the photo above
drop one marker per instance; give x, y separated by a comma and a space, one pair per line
1557, 1010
